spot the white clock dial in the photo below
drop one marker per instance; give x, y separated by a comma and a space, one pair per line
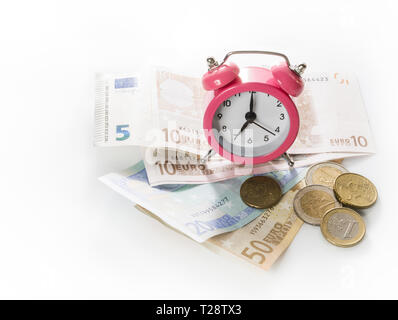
263, 118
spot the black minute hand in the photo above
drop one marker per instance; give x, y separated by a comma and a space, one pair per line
259, 125
251, 103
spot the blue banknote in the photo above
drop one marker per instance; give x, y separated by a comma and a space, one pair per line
200, 211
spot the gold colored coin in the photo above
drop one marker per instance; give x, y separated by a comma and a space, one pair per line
355, 191
312, 202
260, 192
343, 227
324, 173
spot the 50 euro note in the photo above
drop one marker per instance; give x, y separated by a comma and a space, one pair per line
199, 211
262, 241
163, 108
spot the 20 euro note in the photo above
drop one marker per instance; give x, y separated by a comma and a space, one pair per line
262, 241
166, 166
199, 211
165, 109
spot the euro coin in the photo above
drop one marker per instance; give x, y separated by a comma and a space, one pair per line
312, 202
324, 173
354, 190
343, 227
260, 192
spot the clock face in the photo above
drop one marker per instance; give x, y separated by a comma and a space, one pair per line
251, 124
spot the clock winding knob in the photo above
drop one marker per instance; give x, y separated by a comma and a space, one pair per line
211, 62
300, 68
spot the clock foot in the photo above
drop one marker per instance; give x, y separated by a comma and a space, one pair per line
288, 159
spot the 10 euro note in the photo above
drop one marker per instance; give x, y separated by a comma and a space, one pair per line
333, 117
163, 108
199, 211
166, 166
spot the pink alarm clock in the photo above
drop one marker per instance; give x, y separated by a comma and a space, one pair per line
250, 117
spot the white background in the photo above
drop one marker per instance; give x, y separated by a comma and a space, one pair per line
65, 235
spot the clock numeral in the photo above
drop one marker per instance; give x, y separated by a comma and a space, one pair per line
277, 129
250, 141
227, 103
266, 138
224, 128
279, 104
282, 117
219, 116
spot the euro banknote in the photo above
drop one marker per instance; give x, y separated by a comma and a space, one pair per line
165, 108
262, 241
199, 211
165, 166
154, 109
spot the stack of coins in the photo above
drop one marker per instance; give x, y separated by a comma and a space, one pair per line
329, 199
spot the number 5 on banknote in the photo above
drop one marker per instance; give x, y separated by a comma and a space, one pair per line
250, 116
122, 133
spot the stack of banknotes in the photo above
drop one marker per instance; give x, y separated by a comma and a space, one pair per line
199, 196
